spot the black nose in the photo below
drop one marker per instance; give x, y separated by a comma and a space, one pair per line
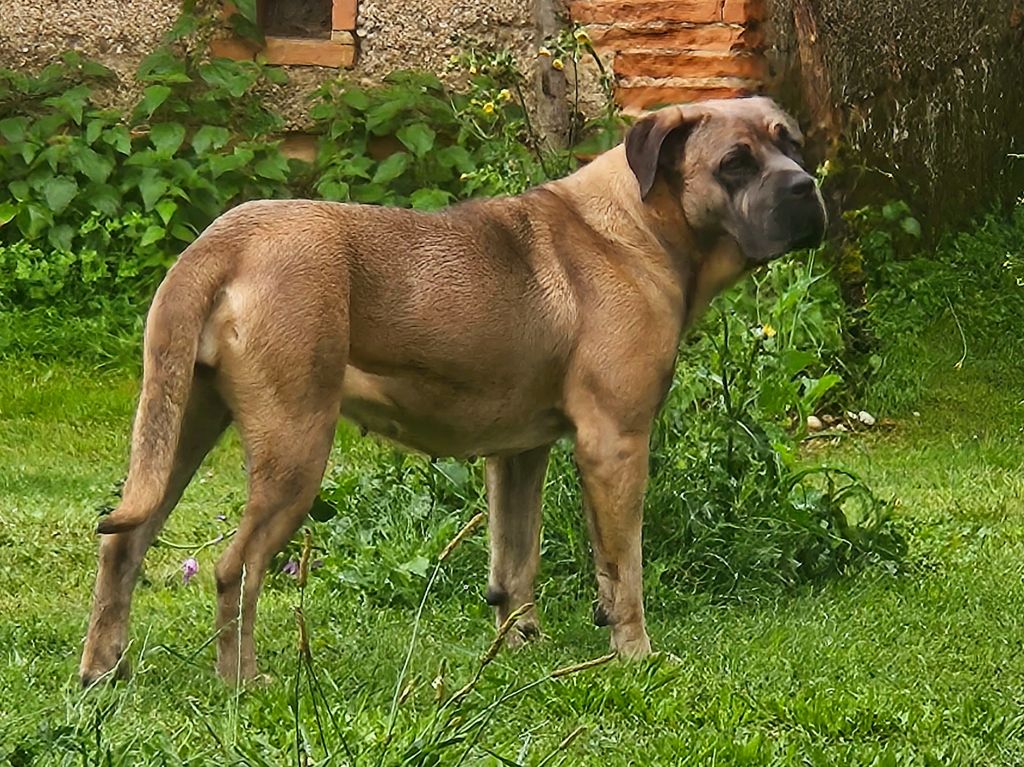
801, 186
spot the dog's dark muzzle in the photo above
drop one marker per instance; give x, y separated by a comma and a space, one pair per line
799, 217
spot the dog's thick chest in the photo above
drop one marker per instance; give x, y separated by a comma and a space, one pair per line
435, 419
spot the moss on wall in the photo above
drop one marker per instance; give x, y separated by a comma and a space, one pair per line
924, 99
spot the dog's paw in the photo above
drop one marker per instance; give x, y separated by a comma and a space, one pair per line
523, 633
631, 646
98, 672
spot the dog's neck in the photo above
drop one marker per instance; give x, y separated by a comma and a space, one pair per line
655, 231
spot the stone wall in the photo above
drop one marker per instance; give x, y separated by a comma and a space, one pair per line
33, 35
660, 51
392, 34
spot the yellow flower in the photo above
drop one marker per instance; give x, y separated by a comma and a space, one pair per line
504, 94
542, 51
489, 108
473, 70
557, 64
769, 331
582, 37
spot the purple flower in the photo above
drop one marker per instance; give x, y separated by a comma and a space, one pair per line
189, 568
291, 567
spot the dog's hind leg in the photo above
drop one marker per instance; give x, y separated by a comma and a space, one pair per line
287, 446
121, 554
514, 488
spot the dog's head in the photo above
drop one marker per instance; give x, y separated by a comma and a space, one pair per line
735, 167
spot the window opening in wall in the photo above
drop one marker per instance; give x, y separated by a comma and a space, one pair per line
316, 33
296, 18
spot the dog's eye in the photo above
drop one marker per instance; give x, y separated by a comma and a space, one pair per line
794, 150
738, 163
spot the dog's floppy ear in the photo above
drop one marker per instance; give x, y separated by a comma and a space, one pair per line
646, 139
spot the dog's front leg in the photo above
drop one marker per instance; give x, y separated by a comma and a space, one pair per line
514, 487
613, 471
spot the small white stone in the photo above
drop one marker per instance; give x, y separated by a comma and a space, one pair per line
813, 423
866, 418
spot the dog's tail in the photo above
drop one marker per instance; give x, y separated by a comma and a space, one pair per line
174, 326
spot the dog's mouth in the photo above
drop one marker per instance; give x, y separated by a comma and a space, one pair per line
795, 227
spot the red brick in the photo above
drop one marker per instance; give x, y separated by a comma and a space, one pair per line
343, 14
612, 12
689, 65
704, 37
300, 146
288, 50
743, 11
302, 51
233, 48
637, 98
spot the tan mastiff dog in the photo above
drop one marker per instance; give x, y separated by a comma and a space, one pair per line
491, 328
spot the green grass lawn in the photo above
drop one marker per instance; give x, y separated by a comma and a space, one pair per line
922, 664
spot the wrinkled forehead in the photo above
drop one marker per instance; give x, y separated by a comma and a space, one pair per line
748, 119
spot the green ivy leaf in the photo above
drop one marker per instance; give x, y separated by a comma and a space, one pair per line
95, 69
167, 137
28, 152
210, 136
92, 164
391, 168
275, 168
20, 190
417, 138
12, 129
418, 566
152, 234
457, 157
104, 198
162, 66
380, 119
276, 75
247, 8
166, 209
93, 129
33, 219
333, 190
229, 75
60, 237
71, 102
246, 28
430, 199
356, 98
795, 360
183, 233
8, 210
221, 164
911, 226
152, 186
893, 210
152, 98
119, 138
59, 192
816, 388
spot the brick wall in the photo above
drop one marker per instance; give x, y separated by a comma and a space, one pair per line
673, 51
